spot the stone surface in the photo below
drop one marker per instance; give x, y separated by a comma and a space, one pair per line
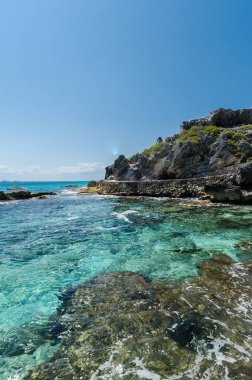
244, 175
217, 189
92, 184
120, 325
21, 195
217, 145
222, 118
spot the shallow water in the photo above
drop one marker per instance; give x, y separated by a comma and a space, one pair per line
66, 239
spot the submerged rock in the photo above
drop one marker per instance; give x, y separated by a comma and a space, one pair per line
120, 325
16, 188
186, 331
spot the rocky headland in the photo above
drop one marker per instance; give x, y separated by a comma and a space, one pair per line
211, 157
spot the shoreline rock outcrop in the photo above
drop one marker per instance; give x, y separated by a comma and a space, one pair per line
216, 146
21, 195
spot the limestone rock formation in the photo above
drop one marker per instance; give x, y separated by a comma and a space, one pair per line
214, 145
222, 118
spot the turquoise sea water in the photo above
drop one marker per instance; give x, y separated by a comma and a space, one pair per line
68, 238
40, 186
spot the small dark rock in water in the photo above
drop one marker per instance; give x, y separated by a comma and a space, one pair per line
92, 184
186, 331
21, 195
65, 296
71, 186
16, 188
134, 295
13, 347
53, 331
244, 245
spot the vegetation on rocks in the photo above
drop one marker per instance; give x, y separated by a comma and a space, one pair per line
198, 133
246, 127
233, 139
153, 149
207, 146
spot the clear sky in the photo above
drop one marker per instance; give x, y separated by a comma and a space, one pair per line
83, 81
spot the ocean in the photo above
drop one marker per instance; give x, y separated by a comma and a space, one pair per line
67, 239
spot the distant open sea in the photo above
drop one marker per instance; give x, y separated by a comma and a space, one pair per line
69, 238
40, 186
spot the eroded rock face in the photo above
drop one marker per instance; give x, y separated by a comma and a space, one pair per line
224, 188
222, 118
120, 325
214, 145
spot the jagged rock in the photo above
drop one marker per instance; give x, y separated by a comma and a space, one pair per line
220, 192
208, 147
92, 184
118, 169
244, 175
21, 195
222, 118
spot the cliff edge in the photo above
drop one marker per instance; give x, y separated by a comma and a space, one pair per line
213, 145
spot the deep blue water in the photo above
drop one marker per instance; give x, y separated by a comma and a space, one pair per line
68, 238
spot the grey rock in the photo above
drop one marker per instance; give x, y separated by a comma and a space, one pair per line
225, 150
92, 183
21, 195
120, 166
222, 118
244, 175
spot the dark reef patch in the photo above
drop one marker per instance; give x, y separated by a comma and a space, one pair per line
122, 325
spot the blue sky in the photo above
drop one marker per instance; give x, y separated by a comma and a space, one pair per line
83, 81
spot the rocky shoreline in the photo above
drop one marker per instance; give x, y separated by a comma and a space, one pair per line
211, 157
22, 195
236, 188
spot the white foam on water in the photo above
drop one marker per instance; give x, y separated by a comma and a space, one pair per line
15, 377
143, 372
72, 217
100, 228
122, 215
215, 352
70, 192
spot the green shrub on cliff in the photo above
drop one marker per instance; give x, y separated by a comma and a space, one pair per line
200, 133
246, 127
152, 149
233, 139
148, 151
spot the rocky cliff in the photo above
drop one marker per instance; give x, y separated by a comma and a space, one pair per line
214, 145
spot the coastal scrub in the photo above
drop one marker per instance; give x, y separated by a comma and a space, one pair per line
233, 139
199, 133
